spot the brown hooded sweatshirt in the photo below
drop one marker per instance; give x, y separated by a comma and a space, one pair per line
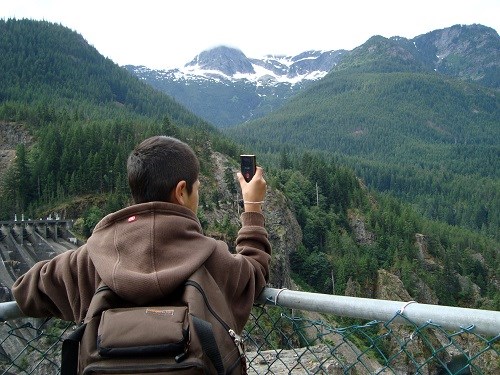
144, 252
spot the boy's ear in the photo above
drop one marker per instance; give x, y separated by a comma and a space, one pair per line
178, 196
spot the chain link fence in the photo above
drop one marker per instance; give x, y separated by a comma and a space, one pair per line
282, 340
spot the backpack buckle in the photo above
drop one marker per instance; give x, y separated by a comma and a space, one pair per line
238, 341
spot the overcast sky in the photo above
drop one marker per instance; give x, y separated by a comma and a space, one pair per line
169, 33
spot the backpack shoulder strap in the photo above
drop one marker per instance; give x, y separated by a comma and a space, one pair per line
69, 351
101, 300
104, 298
208, 343
202, 280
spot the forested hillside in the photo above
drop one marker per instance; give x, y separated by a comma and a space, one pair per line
85, 116
50, 66
348, 235
84, 113
428, 138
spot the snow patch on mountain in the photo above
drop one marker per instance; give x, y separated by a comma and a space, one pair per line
226, 87
228, 64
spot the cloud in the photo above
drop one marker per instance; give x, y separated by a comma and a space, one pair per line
161, 34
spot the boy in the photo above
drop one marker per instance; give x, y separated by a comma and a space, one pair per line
147, 251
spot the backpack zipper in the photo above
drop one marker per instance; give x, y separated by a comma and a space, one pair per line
238, 341
91, 369
212, 311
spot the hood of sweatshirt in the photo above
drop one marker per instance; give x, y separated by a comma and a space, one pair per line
146, 251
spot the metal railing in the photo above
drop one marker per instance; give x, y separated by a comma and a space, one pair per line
481, 321
292, 332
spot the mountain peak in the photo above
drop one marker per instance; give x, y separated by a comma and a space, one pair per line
235, 88
227, 60
228, 63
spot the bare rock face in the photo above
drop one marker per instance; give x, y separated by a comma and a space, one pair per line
425, 294
390, 287
363, 236
285, 234
11, 135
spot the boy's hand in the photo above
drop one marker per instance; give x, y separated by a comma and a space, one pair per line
254, 191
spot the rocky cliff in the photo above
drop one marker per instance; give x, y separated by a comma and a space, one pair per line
11, 135
284, 232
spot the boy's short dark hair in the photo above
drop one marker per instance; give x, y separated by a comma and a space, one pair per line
157, 164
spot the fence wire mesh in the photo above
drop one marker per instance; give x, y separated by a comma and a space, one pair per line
279, 340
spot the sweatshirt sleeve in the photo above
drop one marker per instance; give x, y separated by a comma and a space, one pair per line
252, 242
244, 275
58, 287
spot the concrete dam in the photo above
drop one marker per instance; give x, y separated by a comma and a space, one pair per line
25, 242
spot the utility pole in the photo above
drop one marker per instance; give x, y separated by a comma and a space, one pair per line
333, 283
317, 194
238, 202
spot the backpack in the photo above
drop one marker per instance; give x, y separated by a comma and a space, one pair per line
190, 334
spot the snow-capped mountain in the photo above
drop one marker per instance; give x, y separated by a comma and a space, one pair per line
232, 64
226, 87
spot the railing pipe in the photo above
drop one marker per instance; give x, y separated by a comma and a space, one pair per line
485, 322
481, 321
9, 311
